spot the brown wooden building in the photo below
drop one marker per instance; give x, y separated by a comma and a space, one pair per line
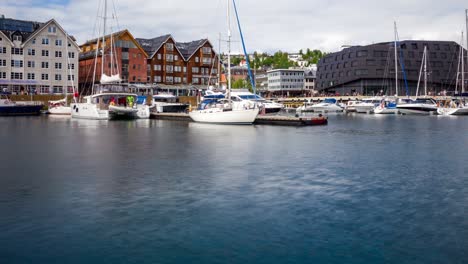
129, 60
182, 64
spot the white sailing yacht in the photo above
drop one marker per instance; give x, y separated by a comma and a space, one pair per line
457, 106
224, 111
61, 107
419, 106
110, 99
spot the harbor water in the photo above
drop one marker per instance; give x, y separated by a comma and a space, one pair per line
363, 189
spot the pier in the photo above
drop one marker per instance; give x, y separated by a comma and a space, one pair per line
260, 120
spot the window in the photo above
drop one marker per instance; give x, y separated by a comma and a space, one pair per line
58, 54
354, 63
31, 64
34, 41
207, 61
58, 42
185, 69
2, 49
17, 63
362, 53
411, 54
72, 55
3, 63
169, 57
206, 50
57, 89
177, 68
71, 77
177, 79
16, 75
45, 53
157, 79
71, 66
370, 62
195, 69
361, 72
58, 65
31, 76
169, 79
45, 41
52, 29
197, 59
196, 80
414, 45
169, 46
32, 52
125, 55
45, 65
176, 58
159, 56
436, 46
17, 38
16, 51
2, 75
169, 68
433, 55
58, 77
443, 55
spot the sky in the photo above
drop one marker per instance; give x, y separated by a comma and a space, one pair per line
268, 26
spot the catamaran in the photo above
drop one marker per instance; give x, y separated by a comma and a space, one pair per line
110, 99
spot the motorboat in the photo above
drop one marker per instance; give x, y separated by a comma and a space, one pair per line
386, 106
418, 106
367, 105
453, 107
10, 108
59, 107
327, 105
350, 106
167, 103
268, 106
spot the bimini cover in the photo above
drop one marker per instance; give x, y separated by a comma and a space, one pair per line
110, 79
330, 101
141, 99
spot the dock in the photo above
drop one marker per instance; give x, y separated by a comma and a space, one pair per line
260, 120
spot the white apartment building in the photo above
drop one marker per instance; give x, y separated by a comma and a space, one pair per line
37, 57
285, 80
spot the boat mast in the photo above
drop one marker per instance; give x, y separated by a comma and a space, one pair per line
463, 68
425, 71
466, 23
104, 38
229, 50
219, 61
396, 59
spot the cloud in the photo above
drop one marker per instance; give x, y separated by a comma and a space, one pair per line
267, 25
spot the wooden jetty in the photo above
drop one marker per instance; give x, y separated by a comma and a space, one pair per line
260, 120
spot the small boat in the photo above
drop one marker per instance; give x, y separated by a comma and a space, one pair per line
167, 103
10, 108
386, 106
418, 106
59, 107
350, 106
453, 107
328, 105
367, 105
268, 106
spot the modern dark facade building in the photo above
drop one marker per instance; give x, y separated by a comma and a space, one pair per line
370, 70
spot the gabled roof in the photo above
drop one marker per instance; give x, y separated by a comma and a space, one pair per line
188, 49
117, 35
8, 26
151, 46
6, 37
43, 26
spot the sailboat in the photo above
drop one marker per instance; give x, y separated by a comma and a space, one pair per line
61, 107
109, 100
457, 106
419, 106
225, 111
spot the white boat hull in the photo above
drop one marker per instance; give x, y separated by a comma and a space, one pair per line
367, 108
417, 109
60, 110
385, 111
321, 108
452, 111
219, 116
143, 111
88, 111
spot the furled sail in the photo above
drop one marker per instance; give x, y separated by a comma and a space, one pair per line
110, 79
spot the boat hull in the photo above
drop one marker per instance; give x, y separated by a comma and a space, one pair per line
417, 110
88, 111
218, 116
385, 111
270, 110
122, 113
452, 111
60, 110
362, 109
20, 110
